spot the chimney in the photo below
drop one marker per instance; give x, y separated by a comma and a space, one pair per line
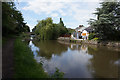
80, 25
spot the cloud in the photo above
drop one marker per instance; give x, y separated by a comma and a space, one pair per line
30, 26
62, 12
78, 12
51, 7
62, 0
54, 15
84, 12
44, 7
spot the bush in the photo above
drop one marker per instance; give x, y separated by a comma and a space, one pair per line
95, 39
57, 74
91, 36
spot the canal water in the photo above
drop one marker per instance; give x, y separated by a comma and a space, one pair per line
76, 61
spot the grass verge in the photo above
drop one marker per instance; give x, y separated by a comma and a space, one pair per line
25, 64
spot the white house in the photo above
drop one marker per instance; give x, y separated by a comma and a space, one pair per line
85, 34
81, 32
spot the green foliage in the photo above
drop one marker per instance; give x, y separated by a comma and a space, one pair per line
70, 31
25, 35
57, 74
96, 39
91, 36
107, 25
12, 20
47, 30
25, 64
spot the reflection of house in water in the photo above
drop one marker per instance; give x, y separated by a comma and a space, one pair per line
82, 32
84, 48
79, 47
75, 47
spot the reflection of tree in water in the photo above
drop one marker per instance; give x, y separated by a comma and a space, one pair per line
103, 62
47, 48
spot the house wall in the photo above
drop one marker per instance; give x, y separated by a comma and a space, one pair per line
85, 34
80, 29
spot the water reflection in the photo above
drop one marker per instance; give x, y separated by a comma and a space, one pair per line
76, 61
48, 48
34, 49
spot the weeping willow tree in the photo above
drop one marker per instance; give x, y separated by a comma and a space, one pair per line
107, 25
47, 30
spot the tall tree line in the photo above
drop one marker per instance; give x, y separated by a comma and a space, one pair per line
47, 30
107, 25
12, 20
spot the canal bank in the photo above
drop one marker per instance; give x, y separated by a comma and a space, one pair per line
93, 42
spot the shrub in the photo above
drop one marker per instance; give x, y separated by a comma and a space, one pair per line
91, 36
96, 39
57, 74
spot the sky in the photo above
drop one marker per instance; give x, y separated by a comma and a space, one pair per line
73, 13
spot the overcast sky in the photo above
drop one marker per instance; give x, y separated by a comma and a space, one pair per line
73, 13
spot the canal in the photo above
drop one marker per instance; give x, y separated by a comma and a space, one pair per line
76, 61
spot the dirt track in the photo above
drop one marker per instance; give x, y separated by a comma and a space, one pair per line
7, 59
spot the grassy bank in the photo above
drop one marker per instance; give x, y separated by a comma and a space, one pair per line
25, 64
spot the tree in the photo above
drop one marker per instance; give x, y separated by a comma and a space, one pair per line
47, 30
12, 20
70, 31
61, 22
61, 28
107, 25
91, 36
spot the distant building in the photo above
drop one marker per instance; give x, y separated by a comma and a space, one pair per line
82, 32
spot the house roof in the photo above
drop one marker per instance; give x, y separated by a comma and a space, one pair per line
80, 28
89, 29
